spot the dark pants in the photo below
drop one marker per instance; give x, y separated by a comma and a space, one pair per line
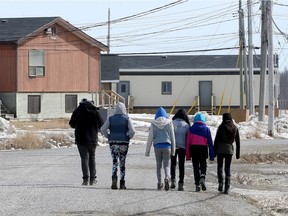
118, 153
199, 156
180, 153
88, 164
227, 168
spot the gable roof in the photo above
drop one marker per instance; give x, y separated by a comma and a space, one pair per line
17, 30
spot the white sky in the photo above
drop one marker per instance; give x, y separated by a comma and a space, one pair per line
192, 25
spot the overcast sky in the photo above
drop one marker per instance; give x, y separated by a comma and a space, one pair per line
187, 27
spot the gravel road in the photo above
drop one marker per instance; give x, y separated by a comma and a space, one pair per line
48, 182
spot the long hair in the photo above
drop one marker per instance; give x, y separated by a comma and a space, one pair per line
227, 123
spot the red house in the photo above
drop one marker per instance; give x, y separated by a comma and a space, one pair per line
47, 66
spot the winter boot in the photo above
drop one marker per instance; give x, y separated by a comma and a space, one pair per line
202, 183
122, 184
227, 185
85, 182
93, 181
166, 184
173, 184
180, 186
159, 186
220, 182
114, 184
197, 189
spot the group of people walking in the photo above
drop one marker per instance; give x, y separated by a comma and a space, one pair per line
173, 141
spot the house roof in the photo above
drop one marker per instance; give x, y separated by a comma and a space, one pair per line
181, 62
18, 30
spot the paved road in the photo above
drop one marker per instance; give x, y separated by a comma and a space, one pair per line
48, 182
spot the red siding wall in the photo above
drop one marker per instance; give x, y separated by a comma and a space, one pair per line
7, 68
68, 67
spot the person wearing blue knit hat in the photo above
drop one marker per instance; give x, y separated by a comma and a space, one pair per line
198, 141
161, 135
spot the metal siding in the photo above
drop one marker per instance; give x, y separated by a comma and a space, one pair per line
7, 68
66, 67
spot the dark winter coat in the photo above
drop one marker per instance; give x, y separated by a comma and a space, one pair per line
199, 138
226, 134
86, 121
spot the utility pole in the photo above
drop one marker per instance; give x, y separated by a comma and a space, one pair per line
270, 69
263, 68
250, 60
108, 36
241, 32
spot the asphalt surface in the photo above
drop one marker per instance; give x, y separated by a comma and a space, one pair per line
48, 182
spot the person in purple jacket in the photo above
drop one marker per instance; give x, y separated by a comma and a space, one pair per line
198, 141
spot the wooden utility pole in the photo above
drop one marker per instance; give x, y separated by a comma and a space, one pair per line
108, 35
250, 58
270, 69
241, 32
263, 68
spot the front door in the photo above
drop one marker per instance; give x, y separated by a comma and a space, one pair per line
124, 90
205, 93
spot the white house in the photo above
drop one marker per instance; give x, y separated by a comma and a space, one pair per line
206, 81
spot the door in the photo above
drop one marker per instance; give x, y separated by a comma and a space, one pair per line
124, 90
205, 93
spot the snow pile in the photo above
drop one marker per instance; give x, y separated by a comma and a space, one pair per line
6, 130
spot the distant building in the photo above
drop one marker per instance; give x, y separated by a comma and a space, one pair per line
205, 81
47, 66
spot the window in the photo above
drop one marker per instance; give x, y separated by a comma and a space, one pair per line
70, 103
123, 87
166, 88
34, 104
36, 63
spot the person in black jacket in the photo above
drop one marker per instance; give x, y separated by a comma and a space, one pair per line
226, 134
86, 121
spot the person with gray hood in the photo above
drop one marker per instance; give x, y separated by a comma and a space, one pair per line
161, 135
118, 129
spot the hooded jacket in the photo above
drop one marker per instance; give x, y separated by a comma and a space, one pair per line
200, 135
86, 121
161, 131
226, 134
118, 128
181, 126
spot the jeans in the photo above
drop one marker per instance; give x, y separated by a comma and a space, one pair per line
88, 164
180, 153
227, 168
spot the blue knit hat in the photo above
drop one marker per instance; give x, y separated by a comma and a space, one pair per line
199, 117
161, 113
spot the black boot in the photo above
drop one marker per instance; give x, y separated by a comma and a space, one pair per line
85, 181
220, 181
227, 185
202, 182
122, 184
114, 184
173, 183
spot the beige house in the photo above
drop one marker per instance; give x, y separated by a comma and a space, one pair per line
204, 82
